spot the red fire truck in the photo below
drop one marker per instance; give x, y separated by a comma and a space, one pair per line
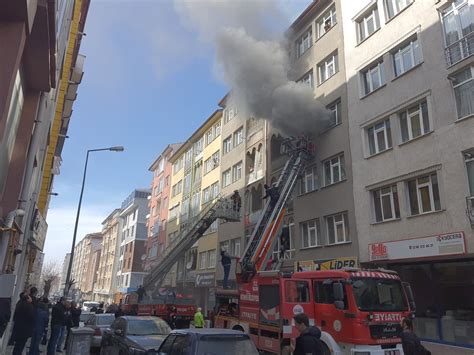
358, 311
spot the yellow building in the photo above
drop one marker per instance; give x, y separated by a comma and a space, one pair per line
194, 184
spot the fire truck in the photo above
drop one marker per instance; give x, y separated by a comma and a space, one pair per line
358, 311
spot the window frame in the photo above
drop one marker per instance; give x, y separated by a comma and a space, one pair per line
431, 193
224, 177
331, 60
308, 79
211, 259
203, 260
336, 107
387, 134
341, 168
367, 79
238, 137
227, 145
394, 5
305, 233
398, 53
458, 85
306, 37
362, 23
321, 20
237, 171
314, 176
394, 203
345, 228
408, 118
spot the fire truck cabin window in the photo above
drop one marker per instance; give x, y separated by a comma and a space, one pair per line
324, 293
297, 291
379, 295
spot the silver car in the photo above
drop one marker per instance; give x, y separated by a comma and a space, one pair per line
99, 322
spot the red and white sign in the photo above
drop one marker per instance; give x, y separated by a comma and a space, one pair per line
424, 247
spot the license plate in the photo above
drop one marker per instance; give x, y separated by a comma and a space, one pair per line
392, 352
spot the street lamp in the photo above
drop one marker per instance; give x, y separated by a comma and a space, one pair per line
68, 275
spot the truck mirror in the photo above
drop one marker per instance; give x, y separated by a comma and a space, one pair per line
338, 290
410, 297
339, 304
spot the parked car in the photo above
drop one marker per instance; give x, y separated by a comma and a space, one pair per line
88, 305
99, 322
134, 335
207, 341
84, 318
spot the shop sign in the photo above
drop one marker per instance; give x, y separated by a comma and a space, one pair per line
424, 247
326, 264
205, 279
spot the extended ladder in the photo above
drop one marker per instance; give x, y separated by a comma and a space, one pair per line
263, 239
176, 249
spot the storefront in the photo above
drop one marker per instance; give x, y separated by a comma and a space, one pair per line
442, 278
205, 284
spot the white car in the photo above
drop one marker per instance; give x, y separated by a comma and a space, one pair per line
87, 305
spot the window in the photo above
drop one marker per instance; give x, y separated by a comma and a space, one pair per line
159, 187
380, 137
308, 79
326, 21
188, 158
334, 170
424, 194
328, 68
309, 181
209, 136
197, 171
373, 77
386, 203
198, 146
414, 122
406, 57
226, 178
304, 43
463, 85
458, 25
211, 261
324, 293
393, 7
202, 260
187, 183
235, 247
237, 172
337, 228
176, 189
195, 202
217, 129
215, 190
469, 160
296, 291
238, 136
229, 113
227, 145
206, 195
177, 165
335, 109
161, 166
368, 24
310, 234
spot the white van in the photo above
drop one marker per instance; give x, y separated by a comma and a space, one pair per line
87, 305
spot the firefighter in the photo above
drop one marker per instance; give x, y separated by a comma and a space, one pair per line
226, 261
198, 318
236, 201
308, 342
272, 192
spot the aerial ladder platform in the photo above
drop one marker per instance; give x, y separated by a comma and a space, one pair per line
220, 209
263, 238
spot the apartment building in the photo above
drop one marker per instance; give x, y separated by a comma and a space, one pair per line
40, 64
158, 204
195, 184
92, 255
132, 251
320, 218
64, 267
83, 252
235, 175
409, 69
105, 287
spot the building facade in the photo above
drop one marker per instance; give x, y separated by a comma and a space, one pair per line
64, 266
133, 237
105, 287
410, 90
158, 204
83, 253
195, 184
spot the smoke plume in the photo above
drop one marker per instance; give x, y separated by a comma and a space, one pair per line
254, 61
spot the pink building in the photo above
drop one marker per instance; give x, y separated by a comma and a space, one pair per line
159, 199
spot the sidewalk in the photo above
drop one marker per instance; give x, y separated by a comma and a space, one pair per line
440, 349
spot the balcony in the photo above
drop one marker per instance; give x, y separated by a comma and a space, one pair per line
460, 49
470, 209
254, 176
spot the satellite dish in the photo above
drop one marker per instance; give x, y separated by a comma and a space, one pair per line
143, 257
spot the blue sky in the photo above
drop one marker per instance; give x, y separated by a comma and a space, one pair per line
148, 82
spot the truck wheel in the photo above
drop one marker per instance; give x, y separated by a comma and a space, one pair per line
238, 327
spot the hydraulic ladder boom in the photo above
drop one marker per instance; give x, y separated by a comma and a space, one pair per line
263, 239
221, 208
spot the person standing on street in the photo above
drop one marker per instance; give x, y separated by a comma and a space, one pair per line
226, 261
41, 325
63, 332
58, 318
198, 319
410, 342
72, 321
101, 309
308, 342
24, 322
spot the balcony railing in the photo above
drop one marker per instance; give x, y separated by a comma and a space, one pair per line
470, 209
254, 176
460, 49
